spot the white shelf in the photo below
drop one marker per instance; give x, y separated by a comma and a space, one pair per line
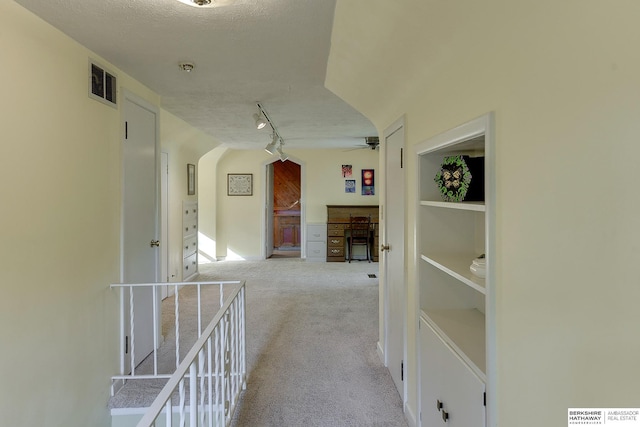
457, 267
467, 206
464, 331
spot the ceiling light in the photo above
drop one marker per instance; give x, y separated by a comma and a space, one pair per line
261, 122
186, 66
271, 147
283, 156
198, 3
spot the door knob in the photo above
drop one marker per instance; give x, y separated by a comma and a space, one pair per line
384, 247
155, 243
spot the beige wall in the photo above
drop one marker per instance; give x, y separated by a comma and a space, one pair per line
238, 219
562, 80
183, 144
59, 233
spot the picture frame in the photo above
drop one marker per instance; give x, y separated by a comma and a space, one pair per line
191, 179
239, 184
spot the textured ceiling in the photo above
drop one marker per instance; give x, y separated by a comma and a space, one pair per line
245, 51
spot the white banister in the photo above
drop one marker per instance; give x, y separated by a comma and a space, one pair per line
216, 364
225, 378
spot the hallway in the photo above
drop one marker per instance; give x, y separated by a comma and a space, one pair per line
311, 345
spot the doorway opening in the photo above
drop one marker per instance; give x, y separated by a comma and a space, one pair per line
287, 194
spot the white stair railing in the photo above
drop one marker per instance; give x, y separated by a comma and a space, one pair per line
222, 344
179, 289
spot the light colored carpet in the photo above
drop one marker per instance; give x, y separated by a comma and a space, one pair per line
312, 330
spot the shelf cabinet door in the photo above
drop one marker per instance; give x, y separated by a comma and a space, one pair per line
447, 379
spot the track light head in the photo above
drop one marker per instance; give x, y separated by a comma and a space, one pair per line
271, 147
283, 156
260, 121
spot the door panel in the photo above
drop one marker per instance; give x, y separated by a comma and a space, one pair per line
139, 223
447, 379
394, 257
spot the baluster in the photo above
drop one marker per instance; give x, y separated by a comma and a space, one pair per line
177, 324
210, 382
169, 414
154, 294
133, 341
193, 394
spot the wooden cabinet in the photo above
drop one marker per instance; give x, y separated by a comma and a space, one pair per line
286, 228
453, 302
338, 229
189, 239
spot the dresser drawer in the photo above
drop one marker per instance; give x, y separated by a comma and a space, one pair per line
189, 266
189, 210
331, 233
335, 242
316, 233
316, 250
189, 246
335, 251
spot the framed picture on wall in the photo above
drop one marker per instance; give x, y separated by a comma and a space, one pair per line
191, 179
368, 183
239, 184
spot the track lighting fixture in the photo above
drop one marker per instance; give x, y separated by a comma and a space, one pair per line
261, 122
271, 147
283, 156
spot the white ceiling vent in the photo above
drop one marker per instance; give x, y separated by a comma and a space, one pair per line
102, 84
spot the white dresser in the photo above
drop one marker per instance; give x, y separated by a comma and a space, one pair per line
189, 239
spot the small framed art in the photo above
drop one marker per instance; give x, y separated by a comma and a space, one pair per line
191, 179
239, 184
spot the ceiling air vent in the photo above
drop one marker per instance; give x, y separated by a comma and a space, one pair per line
102, 84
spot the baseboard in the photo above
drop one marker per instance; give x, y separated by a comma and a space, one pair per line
380, 352
410, 416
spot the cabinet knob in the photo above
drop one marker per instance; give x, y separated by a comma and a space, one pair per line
445, 416
439, 405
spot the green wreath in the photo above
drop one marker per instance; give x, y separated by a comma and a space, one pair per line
453, 179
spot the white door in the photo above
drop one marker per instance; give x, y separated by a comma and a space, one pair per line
140, 259
394, 278
268, 210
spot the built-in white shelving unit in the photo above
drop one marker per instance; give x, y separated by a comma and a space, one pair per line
452, 303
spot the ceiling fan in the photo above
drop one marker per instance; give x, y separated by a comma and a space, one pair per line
371, 142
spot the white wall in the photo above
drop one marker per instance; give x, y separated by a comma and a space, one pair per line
562, 80
60, 225
239, 218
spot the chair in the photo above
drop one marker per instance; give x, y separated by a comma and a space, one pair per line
360, 234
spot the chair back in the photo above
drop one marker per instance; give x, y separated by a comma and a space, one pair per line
360, 226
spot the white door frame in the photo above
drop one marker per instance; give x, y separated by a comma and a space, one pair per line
303, 208
164, 221
390, 130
